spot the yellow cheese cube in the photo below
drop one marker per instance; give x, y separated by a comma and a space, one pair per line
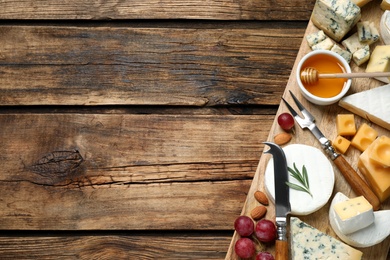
377, 176
365, 135
341, 144
345, 124
380, 152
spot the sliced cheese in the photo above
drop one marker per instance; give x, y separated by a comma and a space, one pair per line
366, 237
335, 18
380, 61
372, 105
353, 214
376, 175
310, 243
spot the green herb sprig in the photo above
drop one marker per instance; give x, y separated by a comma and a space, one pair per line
302, 178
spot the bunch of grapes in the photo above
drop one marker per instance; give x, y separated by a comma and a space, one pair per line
264, 231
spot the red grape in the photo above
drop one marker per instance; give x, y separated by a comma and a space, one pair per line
265, 230
286, 121
264, 256
244, 226
245, 248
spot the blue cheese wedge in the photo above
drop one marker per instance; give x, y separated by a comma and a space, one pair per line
364, 31
335, 18
380, 61
353, 214
315, 38
326, 44
362, 55
308, 242
374, 34
343, 53
372, 105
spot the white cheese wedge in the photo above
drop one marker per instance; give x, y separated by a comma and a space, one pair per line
308, 242
372, 105
366, 237
353, 214
335, 18
384, 27
320, 175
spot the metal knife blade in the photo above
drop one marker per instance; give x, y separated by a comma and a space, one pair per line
282, 199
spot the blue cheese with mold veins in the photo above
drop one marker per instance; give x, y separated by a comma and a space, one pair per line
310, 243
335, 17
315, 38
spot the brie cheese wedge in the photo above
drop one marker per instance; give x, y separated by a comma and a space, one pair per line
372, 105
384, 27
366, 237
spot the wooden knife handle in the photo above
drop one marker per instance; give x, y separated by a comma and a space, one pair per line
281, 250
358, 185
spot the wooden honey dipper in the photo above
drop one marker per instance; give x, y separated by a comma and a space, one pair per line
310, 75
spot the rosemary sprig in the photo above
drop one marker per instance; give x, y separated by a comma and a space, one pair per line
302, 178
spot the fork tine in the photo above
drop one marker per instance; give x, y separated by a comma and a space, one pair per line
305, 113
292, 111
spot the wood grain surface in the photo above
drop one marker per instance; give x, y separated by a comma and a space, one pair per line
326, 120
156, 9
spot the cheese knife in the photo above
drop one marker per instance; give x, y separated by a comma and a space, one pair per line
282, 200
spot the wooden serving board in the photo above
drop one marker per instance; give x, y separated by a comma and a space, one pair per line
325, 119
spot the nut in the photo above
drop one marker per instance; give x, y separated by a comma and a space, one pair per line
261, 197
282, 138
258, 212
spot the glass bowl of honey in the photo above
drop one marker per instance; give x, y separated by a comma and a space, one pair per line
324, 91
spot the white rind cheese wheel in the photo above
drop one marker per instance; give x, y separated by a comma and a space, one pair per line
366, 237
321, 178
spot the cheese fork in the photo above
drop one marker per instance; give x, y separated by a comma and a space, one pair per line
358, 185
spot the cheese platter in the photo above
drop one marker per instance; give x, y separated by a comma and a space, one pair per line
368, 103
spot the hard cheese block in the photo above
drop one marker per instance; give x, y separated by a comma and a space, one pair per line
353, 214
380, 61
310, 243
371, 104
335, 18
376, 174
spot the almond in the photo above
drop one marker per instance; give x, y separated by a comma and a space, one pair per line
258, 212
261, 197
282, 138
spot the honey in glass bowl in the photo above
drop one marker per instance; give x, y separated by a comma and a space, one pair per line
325, 88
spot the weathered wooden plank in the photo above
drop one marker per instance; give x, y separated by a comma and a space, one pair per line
124, 246
71, 65
91, 171
157, 9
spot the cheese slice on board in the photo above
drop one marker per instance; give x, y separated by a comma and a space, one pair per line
310, 243
372, 105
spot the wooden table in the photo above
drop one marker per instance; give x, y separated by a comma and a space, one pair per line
133, 129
